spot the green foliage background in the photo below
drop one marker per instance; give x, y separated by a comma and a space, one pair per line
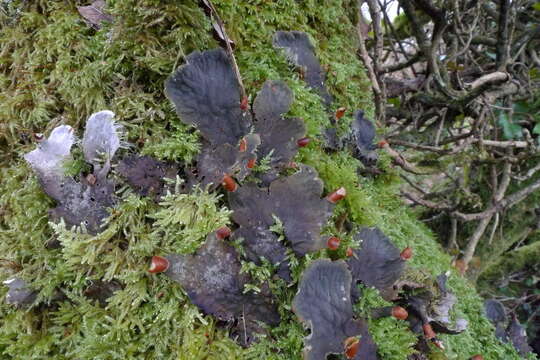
54, 70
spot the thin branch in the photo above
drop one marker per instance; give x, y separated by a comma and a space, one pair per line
504, 204
402, 65
367, 63
504, 144
483, 85
417, 28
496, 77
411, 61
452, 241
243, 94
481, 227
439, 131
399, 160
420, 201
430, 50
474, 239
502, 35
430, 9
494, 228
529, 174
519, 195
375, 12
413, 184
434, 149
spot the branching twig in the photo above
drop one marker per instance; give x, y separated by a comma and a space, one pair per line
529, 174
452, 242
503, 204
472, 60
400, 160
369, 66
429, 204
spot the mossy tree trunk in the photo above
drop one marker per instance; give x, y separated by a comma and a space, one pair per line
55, 69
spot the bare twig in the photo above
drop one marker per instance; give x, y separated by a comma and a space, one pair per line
429, 204
399, 160
529, 174
503, 36
369, 67
491, 78
494, 228
503, 204
504, 144
481, 227
452, 242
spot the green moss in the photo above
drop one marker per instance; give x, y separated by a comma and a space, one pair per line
522, 258
54, 69
184, 220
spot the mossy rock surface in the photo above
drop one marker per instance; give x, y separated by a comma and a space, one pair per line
55, 69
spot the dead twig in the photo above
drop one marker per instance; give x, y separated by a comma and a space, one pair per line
243, 94
399, 160
378, 92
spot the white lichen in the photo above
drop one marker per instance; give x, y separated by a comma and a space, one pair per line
101, 138
48, 157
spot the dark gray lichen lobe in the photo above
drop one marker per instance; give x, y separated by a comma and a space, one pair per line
363, 134
213, 281
323, 303
145, 174
262, 243
19, 293
301, 52
279, 135
213, 163
377, 263
295, 200
206, 95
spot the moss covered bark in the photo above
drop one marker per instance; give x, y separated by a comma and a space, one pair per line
55, 69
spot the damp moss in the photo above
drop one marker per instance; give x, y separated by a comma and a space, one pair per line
525, 257
54, 70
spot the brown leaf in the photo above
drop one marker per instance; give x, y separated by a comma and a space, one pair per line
94, 14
